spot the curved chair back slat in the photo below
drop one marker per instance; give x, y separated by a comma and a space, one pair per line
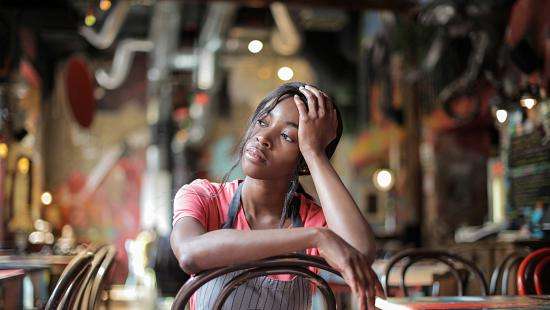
68, 281
502, 272
526, 270
312, 277
452, 269
100, 278
290, 262
413, 256
538, 276
88, 278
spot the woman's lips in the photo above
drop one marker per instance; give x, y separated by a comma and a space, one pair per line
255, 155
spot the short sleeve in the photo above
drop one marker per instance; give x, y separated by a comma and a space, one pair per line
193, 200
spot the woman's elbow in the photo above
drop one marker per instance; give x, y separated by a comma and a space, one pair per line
188, 263
185, 256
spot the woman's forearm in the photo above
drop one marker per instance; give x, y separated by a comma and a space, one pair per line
340, 210
229, 246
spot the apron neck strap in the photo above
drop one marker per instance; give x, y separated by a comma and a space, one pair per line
235, 206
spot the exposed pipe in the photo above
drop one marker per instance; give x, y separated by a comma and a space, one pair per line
218, 19
285, 39
105, 38
121, 64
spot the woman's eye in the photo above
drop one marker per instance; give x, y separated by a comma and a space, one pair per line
262, 123
287, 137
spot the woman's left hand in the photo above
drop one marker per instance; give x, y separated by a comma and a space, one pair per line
318, 121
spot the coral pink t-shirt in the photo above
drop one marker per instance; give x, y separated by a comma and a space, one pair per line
209, 202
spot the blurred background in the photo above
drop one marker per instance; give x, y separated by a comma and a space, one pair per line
108, 107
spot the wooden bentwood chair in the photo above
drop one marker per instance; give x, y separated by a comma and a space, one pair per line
69, 281
502, 272
82, 281
294, 264
454, 262
531, 272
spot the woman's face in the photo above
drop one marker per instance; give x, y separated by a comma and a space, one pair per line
272, 151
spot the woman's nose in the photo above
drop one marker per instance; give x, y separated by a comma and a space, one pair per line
263, 141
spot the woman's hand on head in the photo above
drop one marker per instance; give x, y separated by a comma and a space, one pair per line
318, 121
354, 267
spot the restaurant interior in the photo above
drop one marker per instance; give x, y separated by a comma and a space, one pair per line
109, 107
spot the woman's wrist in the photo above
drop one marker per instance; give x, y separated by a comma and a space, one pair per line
311, 156
322, 234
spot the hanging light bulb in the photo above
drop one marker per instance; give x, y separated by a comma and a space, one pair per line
502, 115
46, 198
285, 73
104, 5
528, 102
23, 165
90, 19
255, 46
530, 96
383, 179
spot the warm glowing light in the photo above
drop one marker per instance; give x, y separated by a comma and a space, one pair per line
46, 198
3, 150
23, 165
285, 73
255, 46
89, 20
104, 5
529, 103
383, 179
501, 115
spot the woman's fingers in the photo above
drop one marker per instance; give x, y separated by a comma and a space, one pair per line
371, 296
301, 107
311, 102
378, 287
357, 289
320, 100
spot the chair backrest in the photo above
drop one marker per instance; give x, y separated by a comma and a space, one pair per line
100, 279
454, 262
294, 264
527, 270
85, 288
69, 281
502, 272
542, 280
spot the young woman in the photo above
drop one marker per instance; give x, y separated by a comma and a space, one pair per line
294, 131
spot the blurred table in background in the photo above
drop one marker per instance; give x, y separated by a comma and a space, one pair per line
56, 263
41, 270
11, 288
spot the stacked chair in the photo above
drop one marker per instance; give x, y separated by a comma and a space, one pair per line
81, 283
533, 276
503, 273
532, 273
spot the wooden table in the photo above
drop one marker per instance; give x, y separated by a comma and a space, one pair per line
465, 302
43, 271
56, 263
11, 288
